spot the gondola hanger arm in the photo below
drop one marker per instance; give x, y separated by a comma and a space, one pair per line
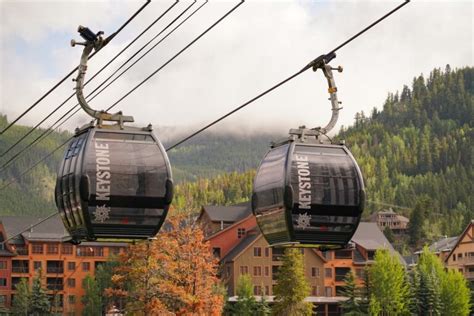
92, 42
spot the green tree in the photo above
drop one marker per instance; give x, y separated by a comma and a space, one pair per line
39, 302
417, 217
103, 277
92, 299
389, 289
246, 303
262, 308
21, 300
389, 234
351, 307
455, 294
291, 288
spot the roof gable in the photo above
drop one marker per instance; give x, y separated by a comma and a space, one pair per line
227, 213
466, 234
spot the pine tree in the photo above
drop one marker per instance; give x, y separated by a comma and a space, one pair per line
21, 300
389, 289
246, 304
351, 306
415, 228
39, 302
92, 298
291, 288
430, 272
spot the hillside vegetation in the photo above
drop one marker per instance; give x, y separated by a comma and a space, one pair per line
417, 150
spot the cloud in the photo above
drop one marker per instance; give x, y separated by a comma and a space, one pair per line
259, 45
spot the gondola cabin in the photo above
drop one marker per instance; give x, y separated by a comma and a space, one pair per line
114, 183
308, 194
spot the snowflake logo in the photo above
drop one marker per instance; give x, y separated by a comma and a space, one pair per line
102, 213
303, 221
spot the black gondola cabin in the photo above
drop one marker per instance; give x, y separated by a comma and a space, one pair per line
308, 194
114, 183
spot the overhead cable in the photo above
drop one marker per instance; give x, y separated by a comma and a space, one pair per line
52, 127
308, 66
71, 72
92, 78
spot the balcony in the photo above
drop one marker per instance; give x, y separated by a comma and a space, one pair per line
277, 254
20, 266
341, 273
54, 267
22, 251
54, 284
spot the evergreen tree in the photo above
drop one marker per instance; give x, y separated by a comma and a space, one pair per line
351, 306
21, 300
417, 217
389, 234
103, 277
291, 288
389, 289
92, 299
430, 272
246, 304
262, 308
39, 302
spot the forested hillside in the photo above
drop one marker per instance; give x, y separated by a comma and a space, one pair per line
34, 193
420, 148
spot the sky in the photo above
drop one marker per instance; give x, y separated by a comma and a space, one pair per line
258, 45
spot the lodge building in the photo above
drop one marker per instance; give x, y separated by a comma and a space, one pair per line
242, 249
63, 265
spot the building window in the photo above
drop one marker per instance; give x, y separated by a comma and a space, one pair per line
36, 265
86, 266
267, 271
216, 252
3, 282
343, 254
257, 251
115, 250
257, 290
66, 249
3, 300
328, 291
327, 255
71, 266
240, 232
71, 299
360, 273
3, 265
71, 282
371, 255
244, 270
315, 272
52, 249
37, 248
454, 257
257, 271
90, 251
459, 255
267, 252
328, 272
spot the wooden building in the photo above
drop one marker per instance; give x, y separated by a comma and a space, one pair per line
63, 265
397, 223
461, 256
242, 249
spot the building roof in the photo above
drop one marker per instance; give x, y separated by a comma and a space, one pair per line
370, 237
466, 230
50, 230
227, 213
444, 244
241, 246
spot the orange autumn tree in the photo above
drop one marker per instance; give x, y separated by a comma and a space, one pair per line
174, 274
